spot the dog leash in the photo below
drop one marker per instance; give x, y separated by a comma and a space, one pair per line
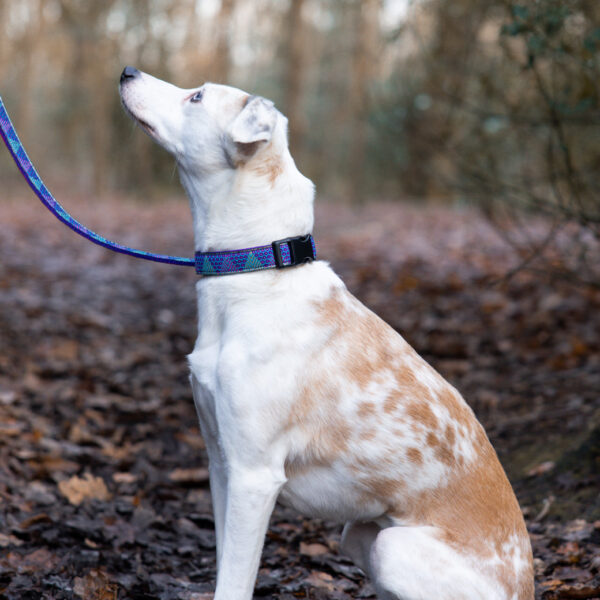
279, 254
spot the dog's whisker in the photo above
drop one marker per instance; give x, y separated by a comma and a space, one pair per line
175, 165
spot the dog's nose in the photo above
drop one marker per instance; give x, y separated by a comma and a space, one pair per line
129, 73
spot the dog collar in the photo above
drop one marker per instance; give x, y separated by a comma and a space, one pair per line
279, 254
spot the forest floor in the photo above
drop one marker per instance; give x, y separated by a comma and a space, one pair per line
103, 481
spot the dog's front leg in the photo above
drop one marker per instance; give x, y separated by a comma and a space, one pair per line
251, 495
216, 463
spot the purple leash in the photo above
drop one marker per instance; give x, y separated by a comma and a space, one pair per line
11, 139
278, 254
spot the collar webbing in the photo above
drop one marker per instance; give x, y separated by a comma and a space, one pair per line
279, 254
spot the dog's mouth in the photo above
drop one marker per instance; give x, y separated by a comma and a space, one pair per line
145, 126
149, 129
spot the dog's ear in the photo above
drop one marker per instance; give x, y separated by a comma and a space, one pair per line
253, 127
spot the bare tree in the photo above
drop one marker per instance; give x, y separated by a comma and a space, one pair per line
363, 72
221, 63
294, 75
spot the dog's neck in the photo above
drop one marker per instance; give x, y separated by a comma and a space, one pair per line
251, 205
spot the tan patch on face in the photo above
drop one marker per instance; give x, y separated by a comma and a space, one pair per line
268, 164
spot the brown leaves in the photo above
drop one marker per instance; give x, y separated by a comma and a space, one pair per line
39, 561
77, 490
320, 580
96, 585
313, 549
93, 379
189, 476
564, 560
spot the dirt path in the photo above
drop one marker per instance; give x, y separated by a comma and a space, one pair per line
103, 482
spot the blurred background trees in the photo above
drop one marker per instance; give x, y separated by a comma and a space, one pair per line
494, 103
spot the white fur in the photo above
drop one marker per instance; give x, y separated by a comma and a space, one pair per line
257, 336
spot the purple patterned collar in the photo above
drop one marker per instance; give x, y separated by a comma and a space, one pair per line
277, 255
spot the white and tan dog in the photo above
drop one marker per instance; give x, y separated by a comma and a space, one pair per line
304, 395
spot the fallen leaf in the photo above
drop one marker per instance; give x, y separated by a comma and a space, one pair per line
578, 530
124, 478
542, 468
551, 584
38, 561
579, 591
39, 518
194, 440
96, 585
77, 489
9, 540
320, 580
199, 475
313, 549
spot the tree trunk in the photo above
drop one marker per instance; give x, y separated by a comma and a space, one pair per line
30, 44
363, 73
295, 74
221, 65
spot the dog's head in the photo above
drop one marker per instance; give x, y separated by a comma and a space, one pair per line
209, 128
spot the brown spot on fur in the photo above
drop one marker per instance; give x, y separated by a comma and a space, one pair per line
315, 413
383, 488
368, 434
365, 409
457, 408
420, 412
390, 404
414, 455
445, 454
432, 440
366, 338
450, 435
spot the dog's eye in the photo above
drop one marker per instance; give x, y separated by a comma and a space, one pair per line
197, 97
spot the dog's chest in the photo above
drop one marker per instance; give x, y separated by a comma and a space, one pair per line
255, 332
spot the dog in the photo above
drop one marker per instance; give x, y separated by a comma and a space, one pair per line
306, 396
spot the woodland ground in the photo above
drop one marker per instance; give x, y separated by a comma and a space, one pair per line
103, 482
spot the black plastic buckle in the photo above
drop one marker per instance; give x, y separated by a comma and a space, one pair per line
301, 251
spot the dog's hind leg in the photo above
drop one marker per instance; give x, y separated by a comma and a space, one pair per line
413, 563
357, 540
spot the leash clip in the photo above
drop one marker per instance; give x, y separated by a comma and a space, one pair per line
301, 251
